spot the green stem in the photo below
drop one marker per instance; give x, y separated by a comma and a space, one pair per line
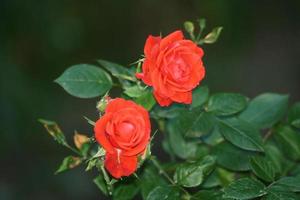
72, 149
268, 135
162, 171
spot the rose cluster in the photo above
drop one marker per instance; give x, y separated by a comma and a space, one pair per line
173, 67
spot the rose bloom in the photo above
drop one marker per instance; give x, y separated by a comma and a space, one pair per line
173, 67
124, 132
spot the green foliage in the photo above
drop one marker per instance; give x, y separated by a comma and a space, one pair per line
85, 81
192, 174
265, 110
224, 104
263, 168
244, 188
222, 146
68, 163
200, 96
164, 192
241, 134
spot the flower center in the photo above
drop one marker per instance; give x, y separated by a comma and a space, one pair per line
125, 129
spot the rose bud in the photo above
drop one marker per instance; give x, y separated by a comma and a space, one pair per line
173, 67
124, 132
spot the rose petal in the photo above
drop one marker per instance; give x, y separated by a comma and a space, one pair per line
119, 165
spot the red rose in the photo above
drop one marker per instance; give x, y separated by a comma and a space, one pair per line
173, 66
124, 132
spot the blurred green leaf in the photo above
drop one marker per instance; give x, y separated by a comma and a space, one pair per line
68, 163
273, 154
200, 96
126, 191
214, 137
263, 168
294, 112
119, 71
276, 192
289, 141
208, 195
213, 36
149, 180
164, 193
180, 147
134, 91
231, 157
244, 188
241, 134
291, 184
85, 81
168, 112
265, 110
192, 174
100, 182
224, 104
146, 100
195, 123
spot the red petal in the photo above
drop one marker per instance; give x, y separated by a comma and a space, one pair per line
100, 133
118, 165
173, 37
162, 101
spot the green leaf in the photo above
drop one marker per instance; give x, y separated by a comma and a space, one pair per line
265, 110
276, 192
126, 191
179, 146
149, 180
275, 156
208, 195
146, 100
54, 130
263, 168
241, 134
294, 115
213, 36
134, 91
164, 193
68, 163
296, 123
291, 184
195, 123
85, 81
192, 174
200, 96
214, 137
244, 188
168, 112
119, 71
224, 104
231, 157
100, 182
289, 141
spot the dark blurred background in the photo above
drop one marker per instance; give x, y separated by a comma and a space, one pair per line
258, 51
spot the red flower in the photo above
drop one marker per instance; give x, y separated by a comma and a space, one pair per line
173, 66
124, 132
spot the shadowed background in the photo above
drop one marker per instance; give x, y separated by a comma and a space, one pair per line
257, 52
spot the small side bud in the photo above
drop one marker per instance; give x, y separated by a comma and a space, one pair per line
189, 27
80, 139
101, 105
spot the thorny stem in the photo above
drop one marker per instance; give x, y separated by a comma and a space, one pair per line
268, 134
162, 171
72, 149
